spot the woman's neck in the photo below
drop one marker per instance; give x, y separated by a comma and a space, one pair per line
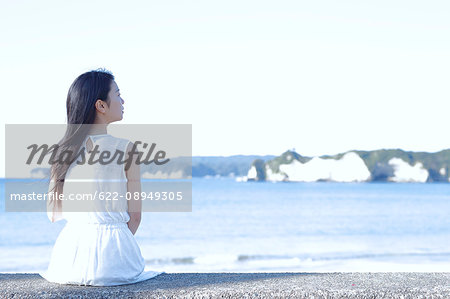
98, 129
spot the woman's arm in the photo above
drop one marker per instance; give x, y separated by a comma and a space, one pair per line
134, 185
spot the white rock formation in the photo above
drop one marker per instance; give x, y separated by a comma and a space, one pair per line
274, 177
350, 168
403, 172
252, 174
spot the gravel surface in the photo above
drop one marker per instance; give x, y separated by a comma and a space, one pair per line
242, 285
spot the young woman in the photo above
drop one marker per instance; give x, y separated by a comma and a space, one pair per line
97, 245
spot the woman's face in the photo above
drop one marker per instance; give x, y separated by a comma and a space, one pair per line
115, 111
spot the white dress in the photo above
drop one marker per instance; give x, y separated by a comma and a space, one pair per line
96, 247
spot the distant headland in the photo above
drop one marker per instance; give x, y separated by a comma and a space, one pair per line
383, 165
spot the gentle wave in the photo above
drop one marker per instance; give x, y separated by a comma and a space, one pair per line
218, 259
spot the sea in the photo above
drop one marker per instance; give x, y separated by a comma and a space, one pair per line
270, 227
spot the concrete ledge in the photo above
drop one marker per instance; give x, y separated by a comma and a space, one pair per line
247, 285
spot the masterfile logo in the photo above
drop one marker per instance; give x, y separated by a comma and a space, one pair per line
95, 167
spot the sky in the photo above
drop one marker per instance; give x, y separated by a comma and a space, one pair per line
252, 77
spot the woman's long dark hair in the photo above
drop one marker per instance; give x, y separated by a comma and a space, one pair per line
81, 98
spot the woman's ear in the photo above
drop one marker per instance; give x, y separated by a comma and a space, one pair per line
100, 106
